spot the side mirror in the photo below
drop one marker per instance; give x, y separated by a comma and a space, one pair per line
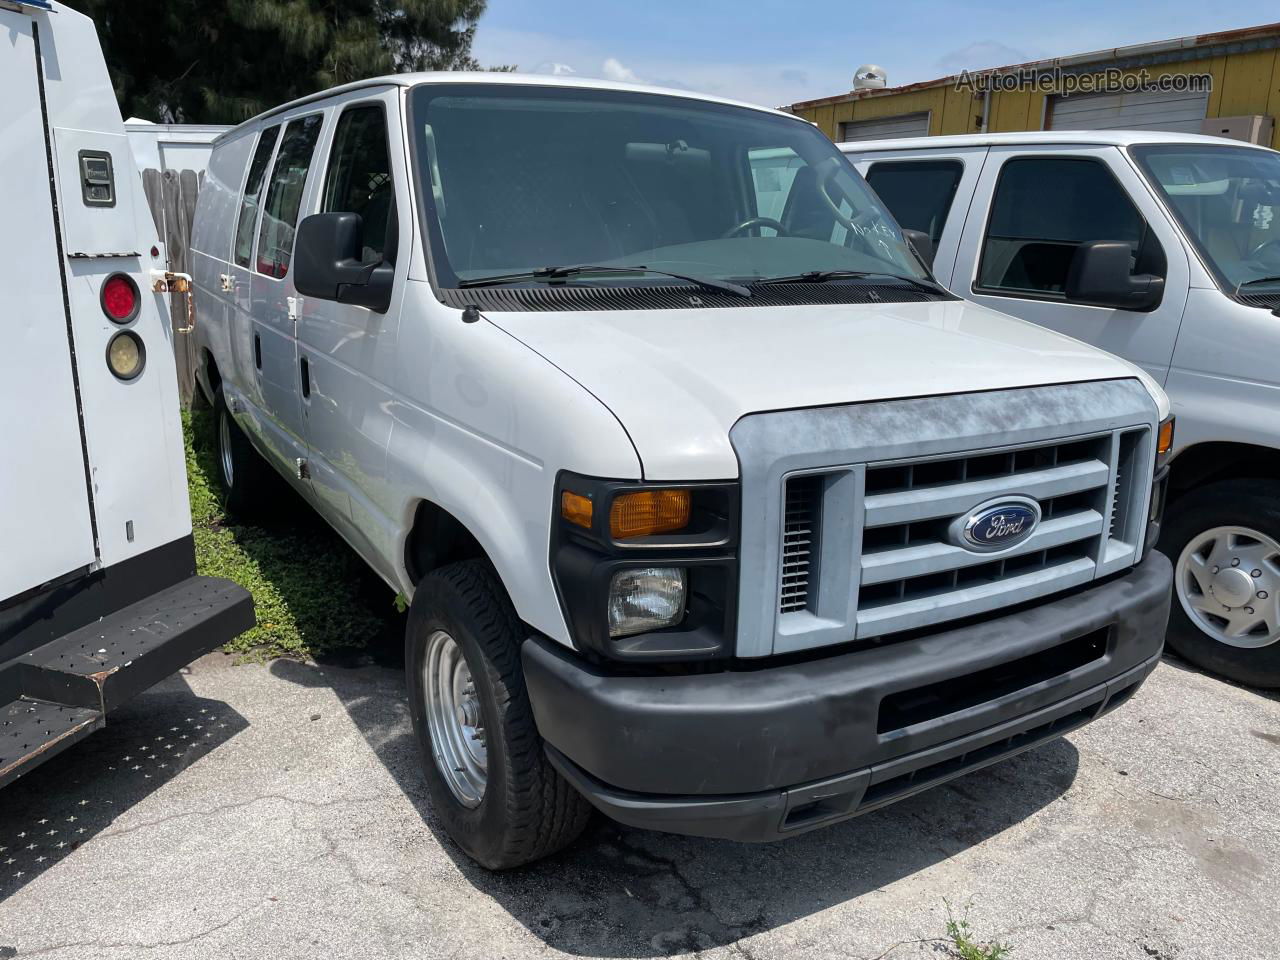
922, 243
327, 263
1099, 276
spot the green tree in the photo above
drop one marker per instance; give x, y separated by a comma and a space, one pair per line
222, 61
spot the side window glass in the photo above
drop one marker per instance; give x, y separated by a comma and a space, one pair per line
918, 192
252, 192
773, 171
1043, 210
359, 178
284, 194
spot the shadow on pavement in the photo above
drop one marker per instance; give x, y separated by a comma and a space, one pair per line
67, 801
620, 892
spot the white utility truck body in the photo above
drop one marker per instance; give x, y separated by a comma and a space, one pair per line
1019, 222
715, 510
94, 514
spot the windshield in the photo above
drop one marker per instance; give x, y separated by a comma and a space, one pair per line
1227, 199
517, 178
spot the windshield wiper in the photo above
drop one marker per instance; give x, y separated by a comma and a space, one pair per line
822, 276
565, 272
1248, 283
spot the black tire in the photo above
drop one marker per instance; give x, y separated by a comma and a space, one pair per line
1248, 503
527, 810
251, 487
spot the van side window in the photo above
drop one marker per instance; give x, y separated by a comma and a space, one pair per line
773, 171
359, 178
252, 192
918, 192
1044, 208
284, 194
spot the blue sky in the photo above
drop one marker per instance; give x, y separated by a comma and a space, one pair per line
773, 52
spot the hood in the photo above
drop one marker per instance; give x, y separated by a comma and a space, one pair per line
678, 380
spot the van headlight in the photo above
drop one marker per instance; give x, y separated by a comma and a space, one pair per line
646, 598
647, 571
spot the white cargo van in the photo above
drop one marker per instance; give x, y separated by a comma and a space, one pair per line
1165, 249
99, 596
716, 511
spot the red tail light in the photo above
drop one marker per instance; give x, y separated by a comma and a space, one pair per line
120, 298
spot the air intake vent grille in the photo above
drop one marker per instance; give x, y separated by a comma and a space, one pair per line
801, 525
663, 296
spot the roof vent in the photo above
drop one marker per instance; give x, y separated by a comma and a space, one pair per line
870, 77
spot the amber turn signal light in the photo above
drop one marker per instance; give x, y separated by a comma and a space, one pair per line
1164, 441
576, 508
649, 512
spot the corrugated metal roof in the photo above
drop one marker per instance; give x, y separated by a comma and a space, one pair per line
1096, 57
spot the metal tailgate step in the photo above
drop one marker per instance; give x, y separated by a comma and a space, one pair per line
62, 691
32, 731
123, 654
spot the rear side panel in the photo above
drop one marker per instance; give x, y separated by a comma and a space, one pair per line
132, 428
44, 500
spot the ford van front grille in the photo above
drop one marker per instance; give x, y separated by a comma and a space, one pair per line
877, 529
917, 572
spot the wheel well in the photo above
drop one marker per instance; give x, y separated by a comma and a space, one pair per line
437, 538
211, 373
1210, 462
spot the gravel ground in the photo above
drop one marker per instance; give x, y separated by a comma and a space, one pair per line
277, 812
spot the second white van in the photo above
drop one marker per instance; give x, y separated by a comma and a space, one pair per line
1163, 248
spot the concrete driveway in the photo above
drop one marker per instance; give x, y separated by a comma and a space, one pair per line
277, 812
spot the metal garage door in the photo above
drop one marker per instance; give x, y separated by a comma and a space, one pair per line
886, 128
1177, 112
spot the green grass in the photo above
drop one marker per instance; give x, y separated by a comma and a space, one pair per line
312, 593
965, 946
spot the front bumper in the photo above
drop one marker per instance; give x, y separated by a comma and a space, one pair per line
764, 753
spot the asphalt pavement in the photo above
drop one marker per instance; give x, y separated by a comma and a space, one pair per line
278, 812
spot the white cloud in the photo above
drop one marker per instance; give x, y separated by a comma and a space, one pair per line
757, 82
555, 69
981, 54
613, 69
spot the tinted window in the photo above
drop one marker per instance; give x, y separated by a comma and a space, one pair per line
918, 193
1228, 201
284, 195
252, 191
518, 178
1043, 210
359, 179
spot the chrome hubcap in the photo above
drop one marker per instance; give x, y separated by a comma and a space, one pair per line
1228, 582
455, 719
224, 448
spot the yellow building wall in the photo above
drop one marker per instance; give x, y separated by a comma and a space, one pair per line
1243, 84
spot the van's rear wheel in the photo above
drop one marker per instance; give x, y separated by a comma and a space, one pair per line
491, 784
244, 476
1224, 541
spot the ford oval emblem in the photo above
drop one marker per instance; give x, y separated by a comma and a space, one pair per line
997, 525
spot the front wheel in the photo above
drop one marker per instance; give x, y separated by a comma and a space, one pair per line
490, 782
1224, 541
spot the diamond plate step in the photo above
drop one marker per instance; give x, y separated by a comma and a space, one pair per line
32, 731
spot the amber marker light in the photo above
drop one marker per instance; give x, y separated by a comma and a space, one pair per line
576, 508
649, 512
1164, 441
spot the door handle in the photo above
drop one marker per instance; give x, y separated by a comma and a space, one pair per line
257, 351
306, 378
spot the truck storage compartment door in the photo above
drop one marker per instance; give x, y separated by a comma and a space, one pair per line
44, 495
